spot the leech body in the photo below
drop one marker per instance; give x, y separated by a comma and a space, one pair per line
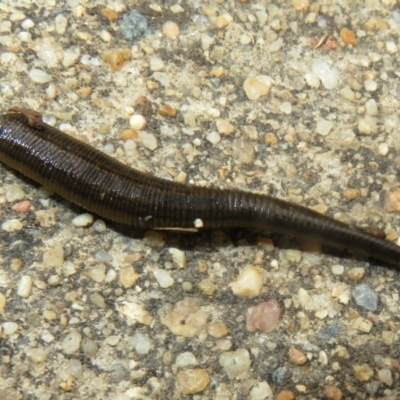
112, 190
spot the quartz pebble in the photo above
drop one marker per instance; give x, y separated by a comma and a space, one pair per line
235, 363
14, 193
171, 30
324, 127
24, 286
178, 258
261, 391
264, 316
54, 256
186, 359
140, 342
103, 256
370, 85
134, 312
217, 329
9, 328
12, 225
192, 381
39, 76
36, 355
385, 376
186, 319
164, 278
249, 282
98, 300
257, 86
148, 140
83, 220
98, 273
328, 75
137, 122
71, 342
365, 297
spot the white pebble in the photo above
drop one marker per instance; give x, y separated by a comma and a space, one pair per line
156, 64
137, 122
36, 355
71, 342
324, 127
164, 278
141, 343
257, 86
385, 376
328, 75
12, 225
61, 24
170, 30
371, 107
213, 137
286, 107
25, 36
337, 269
98, 273
130, 148
69, 268
14, 193
24, 286
391, 47
83, 220
261, 391
39, 76
214, 112
370, 85
9, 328
383, 149
148, 140
249, 282
186, 359
27, 24
178, 258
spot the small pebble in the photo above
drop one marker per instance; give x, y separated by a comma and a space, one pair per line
186, 359
22, 206
261, 391
249, 282
164, 278
356, 273
98, 300
264, 316
37, 355
333, 393
297, 356
206, 287
148, 140
214, 137
371, 107
285, 107
391, 47
257, 86
328, 75
385, 376
83, 220
12, 225
98, 273
348, 37
171, 30
156, 64
217, 329
191, 381
337, 269
383, 149
24, 286
14, 193
137, 122
224, 127
186, 319
365, 297
178, 258
370, 85
300, 5
9, 328
54, 256
155, 239
324, 127
61, 23
89, 347
363, 372
71, 342
286, 395
128, 277
135, 313
2, 303
235, 363
141, 343
376, 23
39, 76
103, 256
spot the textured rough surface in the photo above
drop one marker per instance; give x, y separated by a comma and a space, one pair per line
82, 311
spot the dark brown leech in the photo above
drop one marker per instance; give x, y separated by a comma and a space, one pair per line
104, 186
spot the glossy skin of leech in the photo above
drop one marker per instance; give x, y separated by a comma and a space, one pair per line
112, 190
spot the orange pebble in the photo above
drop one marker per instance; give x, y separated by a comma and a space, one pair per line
348, 36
